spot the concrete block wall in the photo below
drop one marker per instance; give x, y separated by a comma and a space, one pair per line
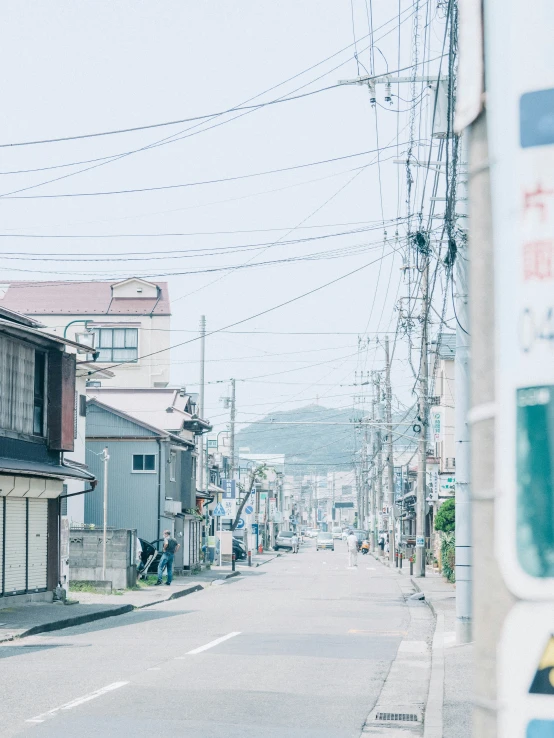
85, 556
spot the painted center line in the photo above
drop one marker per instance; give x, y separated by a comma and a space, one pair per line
211, 644
75, 703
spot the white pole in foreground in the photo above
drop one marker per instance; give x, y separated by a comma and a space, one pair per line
105, 459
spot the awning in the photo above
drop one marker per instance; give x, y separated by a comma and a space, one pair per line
18, 467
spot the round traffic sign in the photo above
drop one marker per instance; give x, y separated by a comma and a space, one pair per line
249, 509
240, 524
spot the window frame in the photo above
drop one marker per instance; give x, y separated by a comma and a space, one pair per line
97, 331
143, 471
172, 466
40, 400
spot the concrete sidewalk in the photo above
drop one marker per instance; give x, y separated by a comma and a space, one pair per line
449, 702
32, 618
457, 660
242, 564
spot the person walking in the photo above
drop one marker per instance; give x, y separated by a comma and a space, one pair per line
382, 544
168, 554
352, 545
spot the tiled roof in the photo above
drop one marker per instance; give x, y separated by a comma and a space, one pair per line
79, 298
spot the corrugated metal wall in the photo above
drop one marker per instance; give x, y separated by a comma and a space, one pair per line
132, 498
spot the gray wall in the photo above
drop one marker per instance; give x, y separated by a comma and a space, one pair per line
133, 497
85, 557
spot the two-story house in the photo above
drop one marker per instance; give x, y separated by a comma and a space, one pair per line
126, 321
37, 426
150, 436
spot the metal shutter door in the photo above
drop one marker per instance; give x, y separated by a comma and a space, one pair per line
38, 536
16, 545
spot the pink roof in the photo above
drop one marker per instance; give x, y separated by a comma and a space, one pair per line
80, 298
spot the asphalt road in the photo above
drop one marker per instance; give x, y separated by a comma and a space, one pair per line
298, 647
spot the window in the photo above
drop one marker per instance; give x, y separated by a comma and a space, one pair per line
116, 344
38, 407
172, 465
144, 463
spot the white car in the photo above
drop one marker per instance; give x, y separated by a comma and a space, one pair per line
286, 539
337, 532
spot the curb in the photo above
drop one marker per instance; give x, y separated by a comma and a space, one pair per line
70, 622
427, 602
433, 726
112, 612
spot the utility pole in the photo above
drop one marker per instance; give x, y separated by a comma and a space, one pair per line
390, 458
379, 458
374, 531
201, 402
423, 400
333, 514
232, 433
105, 459
463, 471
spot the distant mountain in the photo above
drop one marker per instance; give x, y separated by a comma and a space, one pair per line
317, 448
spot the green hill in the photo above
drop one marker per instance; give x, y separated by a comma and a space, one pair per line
314, 448
318, 448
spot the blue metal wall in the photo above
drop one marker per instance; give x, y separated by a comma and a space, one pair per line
135, 500
132, 497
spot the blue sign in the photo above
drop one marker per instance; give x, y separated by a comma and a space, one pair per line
255, 529
536, 118
249, 509
240, 524
229, 487
219, 510
540, 729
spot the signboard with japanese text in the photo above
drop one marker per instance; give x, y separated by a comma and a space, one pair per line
520, 100
230, 507
229, 487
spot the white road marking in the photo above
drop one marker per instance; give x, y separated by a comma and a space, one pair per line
154, 668
211, 644
75, 703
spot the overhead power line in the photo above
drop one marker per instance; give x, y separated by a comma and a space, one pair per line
252, 317
206, 181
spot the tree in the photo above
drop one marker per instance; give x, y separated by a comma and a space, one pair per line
446, 517
255, 474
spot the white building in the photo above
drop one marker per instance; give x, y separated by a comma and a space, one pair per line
128, 322
442, 413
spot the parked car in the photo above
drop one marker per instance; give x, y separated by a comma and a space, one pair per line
325, 540
239, 548
311, 532
286, 539
337, 532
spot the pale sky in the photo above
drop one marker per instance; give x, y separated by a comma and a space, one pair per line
84, 67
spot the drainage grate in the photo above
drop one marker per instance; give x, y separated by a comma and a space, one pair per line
405, 716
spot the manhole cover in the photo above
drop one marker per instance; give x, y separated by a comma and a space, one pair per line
407, 717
